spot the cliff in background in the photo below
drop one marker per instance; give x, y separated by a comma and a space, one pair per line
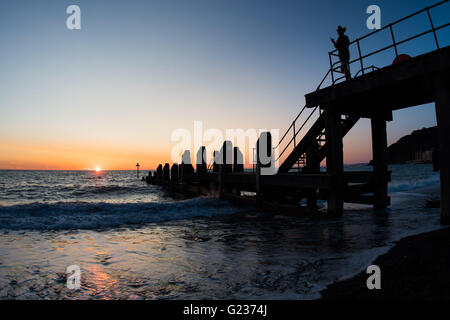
416, 147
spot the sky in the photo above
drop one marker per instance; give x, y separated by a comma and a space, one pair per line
112, 93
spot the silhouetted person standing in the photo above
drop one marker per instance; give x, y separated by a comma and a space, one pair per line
342, 45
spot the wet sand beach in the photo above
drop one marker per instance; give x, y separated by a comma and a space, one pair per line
418, 267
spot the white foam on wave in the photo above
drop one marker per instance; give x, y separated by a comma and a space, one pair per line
88, 215
402, 185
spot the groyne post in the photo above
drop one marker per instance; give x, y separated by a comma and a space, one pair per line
442, 104
312, 166
159, 172
227, 156
201, 167
263, 160
216, 160
238, 160
174, 173
201, 160
166, 173
221, 174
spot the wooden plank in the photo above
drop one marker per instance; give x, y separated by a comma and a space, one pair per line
307, 181
363, 176
393, 87
280, 209
360, 188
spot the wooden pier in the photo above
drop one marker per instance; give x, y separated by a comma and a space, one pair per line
373, 95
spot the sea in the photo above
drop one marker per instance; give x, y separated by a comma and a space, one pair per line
131, 240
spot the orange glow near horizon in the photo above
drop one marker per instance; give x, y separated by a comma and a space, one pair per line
19, 155
25, 156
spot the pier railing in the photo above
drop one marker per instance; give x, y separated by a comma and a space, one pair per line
294, 134
362, 69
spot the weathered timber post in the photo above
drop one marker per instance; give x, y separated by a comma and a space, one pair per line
380, 161
201, 167
201, 160
216, 157
159, 171
152, 177
227, 156
221, 174
312, 166
442, 98
166, 173
335, 162
238, 167
258, 186
435, 159
187, 169
174, 174
238, 160
264, 158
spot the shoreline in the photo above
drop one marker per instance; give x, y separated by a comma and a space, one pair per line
417, 267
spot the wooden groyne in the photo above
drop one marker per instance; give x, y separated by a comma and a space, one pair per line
298, 183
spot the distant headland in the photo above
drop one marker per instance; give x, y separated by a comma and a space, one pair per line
416, 147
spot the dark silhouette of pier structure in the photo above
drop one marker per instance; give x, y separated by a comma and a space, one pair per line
373, 93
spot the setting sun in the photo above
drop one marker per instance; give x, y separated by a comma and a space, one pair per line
97, 169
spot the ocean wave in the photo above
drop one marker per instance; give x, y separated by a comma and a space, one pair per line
86, 215
103, 189
401, 186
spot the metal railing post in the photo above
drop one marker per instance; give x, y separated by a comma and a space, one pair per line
293, 126
432, 28
393, 40
253, 160
331, 67
360, 57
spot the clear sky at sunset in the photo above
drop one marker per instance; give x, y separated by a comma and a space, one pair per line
112, 93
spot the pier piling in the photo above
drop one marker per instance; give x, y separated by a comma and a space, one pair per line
442, 105
380, 161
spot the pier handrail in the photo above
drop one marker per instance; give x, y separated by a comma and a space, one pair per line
335, 66
394, 44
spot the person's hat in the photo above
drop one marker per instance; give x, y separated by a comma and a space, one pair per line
340, 28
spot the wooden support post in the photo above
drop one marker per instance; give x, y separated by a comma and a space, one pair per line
264, 158
174, 173
153, 177
227, 156
335, 162
186, 166
238, 160
148, 178
258, 187
166, 173
221, 182
201, 160
216, 162
238, 166
442, 98
380, 162
159, 171
312, 166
